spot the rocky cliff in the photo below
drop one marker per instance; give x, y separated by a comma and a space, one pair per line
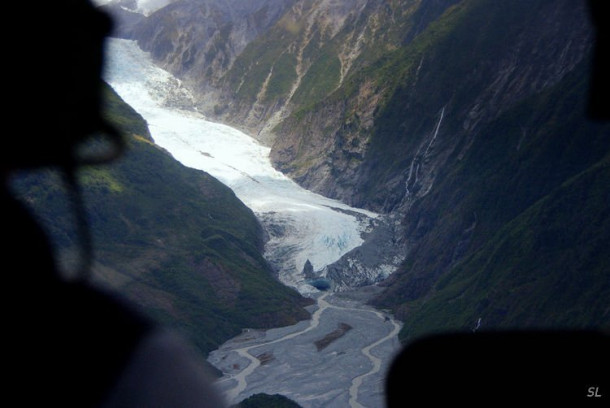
381, 141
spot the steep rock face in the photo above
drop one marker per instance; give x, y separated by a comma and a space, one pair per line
324, 142
386, 136
301, 58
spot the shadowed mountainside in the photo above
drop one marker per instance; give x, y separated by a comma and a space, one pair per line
172, 239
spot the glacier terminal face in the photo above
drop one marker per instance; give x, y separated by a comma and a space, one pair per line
301, 225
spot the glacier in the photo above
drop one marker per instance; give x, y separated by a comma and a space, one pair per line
301, 225
145, 7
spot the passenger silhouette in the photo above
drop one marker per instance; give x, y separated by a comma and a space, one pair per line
67, 343
502, 368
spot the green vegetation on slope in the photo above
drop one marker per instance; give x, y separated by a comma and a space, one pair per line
265, 64
173, 239
514, 232
547, 268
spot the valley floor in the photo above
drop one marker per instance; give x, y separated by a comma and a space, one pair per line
349, 371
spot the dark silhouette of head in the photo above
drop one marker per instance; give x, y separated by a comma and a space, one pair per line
53, 83
53, 109
53, 90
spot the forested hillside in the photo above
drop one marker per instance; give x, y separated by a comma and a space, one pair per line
174, 240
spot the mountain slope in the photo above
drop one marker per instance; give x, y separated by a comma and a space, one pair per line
174, 240
367, 142
526, 212
547, 268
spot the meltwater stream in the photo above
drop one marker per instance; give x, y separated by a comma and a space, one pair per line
302, 226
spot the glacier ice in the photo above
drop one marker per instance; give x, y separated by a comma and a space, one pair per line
302, 225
